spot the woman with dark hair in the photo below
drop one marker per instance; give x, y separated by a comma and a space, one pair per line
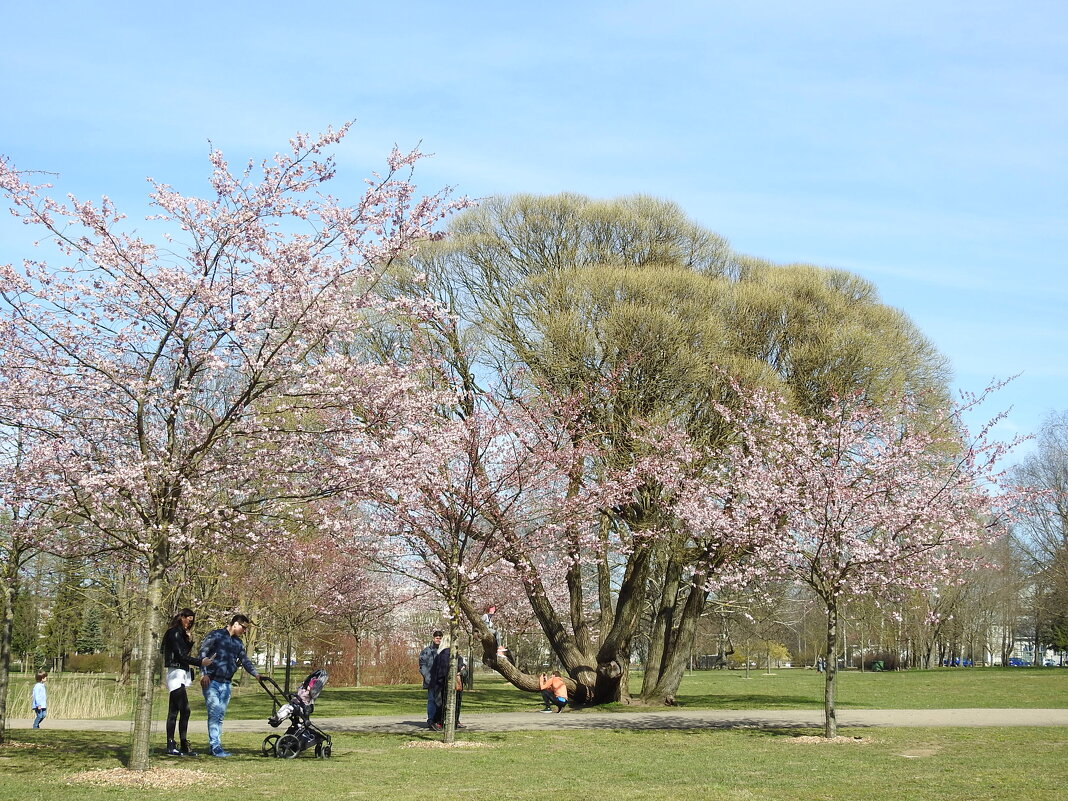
177, 643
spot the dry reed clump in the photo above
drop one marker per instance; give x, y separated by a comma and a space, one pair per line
440, 744
77, 696
153, 778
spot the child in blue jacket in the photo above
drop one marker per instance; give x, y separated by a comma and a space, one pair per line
39, 700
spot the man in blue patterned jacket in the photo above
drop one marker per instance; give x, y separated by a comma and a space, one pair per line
225, 648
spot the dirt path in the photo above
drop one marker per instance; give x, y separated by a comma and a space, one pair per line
665, 719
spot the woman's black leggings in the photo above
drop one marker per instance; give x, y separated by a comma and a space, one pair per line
178, 711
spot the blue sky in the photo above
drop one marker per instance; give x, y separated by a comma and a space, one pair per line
921, 145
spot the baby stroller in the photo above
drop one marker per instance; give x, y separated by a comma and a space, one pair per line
302, 734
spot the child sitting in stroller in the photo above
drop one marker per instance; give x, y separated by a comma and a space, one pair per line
302, 734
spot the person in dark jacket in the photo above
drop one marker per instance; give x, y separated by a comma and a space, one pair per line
177, 643
426, 665
439, 681
227, 652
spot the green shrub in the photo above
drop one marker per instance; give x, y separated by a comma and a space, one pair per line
91, 663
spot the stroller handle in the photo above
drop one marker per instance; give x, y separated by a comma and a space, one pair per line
267, 682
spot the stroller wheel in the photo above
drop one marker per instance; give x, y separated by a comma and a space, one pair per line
322, 750
269, 743
288, 746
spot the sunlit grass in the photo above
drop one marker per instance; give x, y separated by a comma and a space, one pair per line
75, 696
741, 765
943, 688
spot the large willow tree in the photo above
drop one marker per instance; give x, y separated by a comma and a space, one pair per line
642, 313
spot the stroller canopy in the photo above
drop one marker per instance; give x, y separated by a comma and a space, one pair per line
314, 684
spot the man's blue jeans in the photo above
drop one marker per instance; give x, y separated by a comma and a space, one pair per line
431, 706
40, 716
216, 699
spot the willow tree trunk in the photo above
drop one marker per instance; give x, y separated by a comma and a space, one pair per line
597, 676
676, 646
830, 720
663, 623
597, 671
149, 640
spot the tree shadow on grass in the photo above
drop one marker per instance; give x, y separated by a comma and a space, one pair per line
749, 701
763, 730
402, 699
756, 728
62, 751
336, 702
636, 723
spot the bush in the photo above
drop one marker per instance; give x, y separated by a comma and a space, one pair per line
382, 661
91, 663
889, 660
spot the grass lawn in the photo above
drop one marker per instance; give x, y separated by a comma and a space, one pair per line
712, 689
730, 689
946, 688
738, 765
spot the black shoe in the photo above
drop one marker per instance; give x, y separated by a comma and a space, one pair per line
172, 749
187, 750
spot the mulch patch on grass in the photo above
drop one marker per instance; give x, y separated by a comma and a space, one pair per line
14, 745
154, 778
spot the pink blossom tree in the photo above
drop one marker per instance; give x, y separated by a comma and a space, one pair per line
310, 578
524, 493
26, 496
364, 602
442, 527
855, 501
200, 387
21, 506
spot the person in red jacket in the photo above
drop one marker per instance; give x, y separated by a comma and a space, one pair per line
553, 691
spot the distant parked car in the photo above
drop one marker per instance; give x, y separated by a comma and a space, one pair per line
1015, 661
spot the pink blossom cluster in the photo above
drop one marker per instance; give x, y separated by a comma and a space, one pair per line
856, 500
196, 393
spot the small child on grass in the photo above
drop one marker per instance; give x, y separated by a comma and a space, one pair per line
39, 699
